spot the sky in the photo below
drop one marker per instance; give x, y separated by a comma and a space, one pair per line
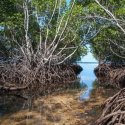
68, 1
88, 58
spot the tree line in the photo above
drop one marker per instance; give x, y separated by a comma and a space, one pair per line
98, 23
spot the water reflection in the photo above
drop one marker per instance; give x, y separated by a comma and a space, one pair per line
10, 104
87, 77
57, 108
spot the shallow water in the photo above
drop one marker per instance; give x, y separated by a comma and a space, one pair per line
61, 108
87, 78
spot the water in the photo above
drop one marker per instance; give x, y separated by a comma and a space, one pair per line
45, 109
87, 77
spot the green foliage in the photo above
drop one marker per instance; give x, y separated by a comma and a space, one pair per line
12, 20
108, 44
79, 28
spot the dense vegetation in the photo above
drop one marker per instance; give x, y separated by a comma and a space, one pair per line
40, 39
88, 23
109, 44
40, 13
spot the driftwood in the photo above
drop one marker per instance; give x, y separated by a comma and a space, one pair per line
114, 110
113, 75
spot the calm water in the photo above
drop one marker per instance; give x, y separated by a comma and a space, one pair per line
14, 111
87, 78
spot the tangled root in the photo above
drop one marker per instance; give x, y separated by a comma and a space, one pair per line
114, 110
40, 79
108, 74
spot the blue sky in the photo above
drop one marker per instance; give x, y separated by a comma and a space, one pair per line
88, 58
68, 1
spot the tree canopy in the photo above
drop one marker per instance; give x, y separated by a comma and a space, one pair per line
106, 20
87, 23
40, 13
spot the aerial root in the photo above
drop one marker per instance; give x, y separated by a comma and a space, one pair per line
114, 110
43, 79
113, 75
